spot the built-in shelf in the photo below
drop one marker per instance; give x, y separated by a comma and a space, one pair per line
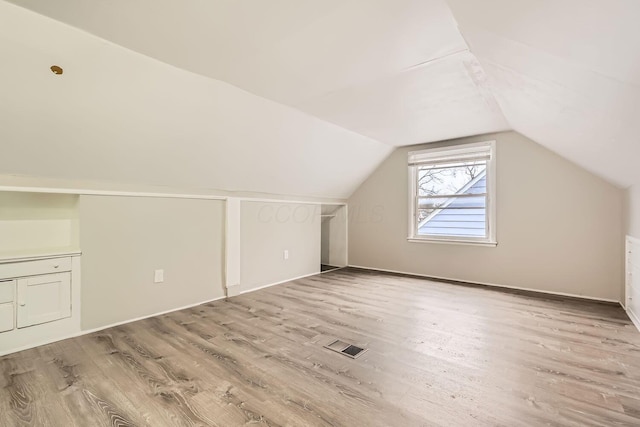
39, 297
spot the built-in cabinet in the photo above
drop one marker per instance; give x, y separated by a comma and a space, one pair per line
7, 308
39, 300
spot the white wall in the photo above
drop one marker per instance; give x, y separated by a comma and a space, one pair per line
124, 239
632, 211
559, 227
267, 230
31, 222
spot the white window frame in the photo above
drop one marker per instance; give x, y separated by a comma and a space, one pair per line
450, 153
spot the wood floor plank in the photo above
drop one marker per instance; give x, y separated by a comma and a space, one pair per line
439, 354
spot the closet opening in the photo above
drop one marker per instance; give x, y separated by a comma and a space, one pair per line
333, 242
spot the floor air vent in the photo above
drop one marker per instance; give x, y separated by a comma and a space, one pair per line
345, 348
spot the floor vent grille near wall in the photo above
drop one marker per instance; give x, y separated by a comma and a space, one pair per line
345, 348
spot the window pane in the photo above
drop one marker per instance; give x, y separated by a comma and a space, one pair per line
455, 216
453, 178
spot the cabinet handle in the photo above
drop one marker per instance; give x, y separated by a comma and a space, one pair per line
56, 265
22, 304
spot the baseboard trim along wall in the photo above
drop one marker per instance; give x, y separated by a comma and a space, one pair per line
279, 283
160, 313
634, 319
492, 285
90, 331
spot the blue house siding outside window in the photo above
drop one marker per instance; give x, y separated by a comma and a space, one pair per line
461, 217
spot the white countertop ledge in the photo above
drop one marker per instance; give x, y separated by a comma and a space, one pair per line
36, 254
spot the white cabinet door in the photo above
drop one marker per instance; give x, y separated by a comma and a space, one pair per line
6, 291
43, 299
6, 317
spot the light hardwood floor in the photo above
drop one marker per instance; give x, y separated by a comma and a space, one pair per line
439, 355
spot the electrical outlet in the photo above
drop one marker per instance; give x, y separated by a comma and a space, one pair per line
286, 254
158, 276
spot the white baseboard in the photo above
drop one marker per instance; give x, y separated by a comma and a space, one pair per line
634, 319
90, 331
278, 283
334, 269
160, 313
233, 290
632, 316
562, 294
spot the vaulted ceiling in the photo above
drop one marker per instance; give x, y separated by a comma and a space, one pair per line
566, 73
306, 97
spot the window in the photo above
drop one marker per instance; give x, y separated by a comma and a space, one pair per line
452, 194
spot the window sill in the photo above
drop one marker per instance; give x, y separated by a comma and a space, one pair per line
452, 242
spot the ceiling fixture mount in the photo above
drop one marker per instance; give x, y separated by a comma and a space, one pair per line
56, 69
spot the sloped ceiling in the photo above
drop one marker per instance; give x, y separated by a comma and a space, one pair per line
306, 97
397, 71
566, 73
118, 116
292, 97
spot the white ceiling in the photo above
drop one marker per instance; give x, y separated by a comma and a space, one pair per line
362, 65
118, 116
565, 73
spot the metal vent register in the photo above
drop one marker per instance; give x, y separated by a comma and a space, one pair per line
345, 348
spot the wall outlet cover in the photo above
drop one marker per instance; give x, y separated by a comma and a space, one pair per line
158, 276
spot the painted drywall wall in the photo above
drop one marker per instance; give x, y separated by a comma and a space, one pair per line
632, 211
267, 230
31, 222
559, 227
124, 239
